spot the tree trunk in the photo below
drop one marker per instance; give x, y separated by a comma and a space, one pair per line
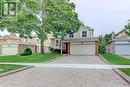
61, 48
42, 46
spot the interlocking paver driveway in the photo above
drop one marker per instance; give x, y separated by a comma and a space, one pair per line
80, 60
61, 77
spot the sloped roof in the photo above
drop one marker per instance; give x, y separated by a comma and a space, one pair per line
81, 39
121, 32
15, 42
9, 37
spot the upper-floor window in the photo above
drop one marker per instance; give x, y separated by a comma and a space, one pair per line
26, 40
71, 35
84, 33
37, 40
57, 42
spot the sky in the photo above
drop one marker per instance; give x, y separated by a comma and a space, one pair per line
105, 16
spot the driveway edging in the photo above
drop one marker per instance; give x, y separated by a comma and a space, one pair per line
122, 75
117, 71
15, 71
103, 59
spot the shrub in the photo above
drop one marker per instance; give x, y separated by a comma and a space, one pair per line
27, 52
56, 50
102, 50
51, 49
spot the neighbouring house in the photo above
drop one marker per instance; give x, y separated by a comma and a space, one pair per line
11, 45
120, 44
18, 45
36, 41
80, 43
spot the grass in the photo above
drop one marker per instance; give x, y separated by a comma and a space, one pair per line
126, 71
6, 68
35, 58
116, 59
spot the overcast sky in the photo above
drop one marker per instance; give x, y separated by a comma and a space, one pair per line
104, 16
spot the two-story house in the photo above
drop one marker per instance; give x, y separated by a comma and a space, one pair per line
120, 43
79, 43
36, 41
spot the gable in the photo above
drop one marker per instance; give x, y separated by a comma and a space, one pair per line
121, 34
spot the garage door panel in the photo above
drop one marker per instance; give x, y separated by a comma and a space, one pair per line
9, 50
82, 49
122, 49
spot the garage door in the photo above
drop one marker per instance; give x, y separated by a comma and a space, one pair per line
122, 49
77, 49
9, 50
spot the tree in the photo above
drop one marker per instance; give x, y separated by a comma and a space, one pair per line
128, 32
103, 40
29, 18
62, 17
128, 27
43, 17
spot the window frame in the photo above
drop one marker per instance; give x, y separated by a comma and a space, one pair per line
71, 35
84, 33
57, 42
8, 8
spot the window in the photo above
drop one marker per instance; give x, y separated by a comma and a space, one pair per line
71, 35
9, 9
84, 33
26, 40
57, 42
12, 9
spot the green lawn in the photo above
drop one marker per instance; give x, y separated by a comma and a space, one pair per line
35, 58
118, 60
6, 68
127, 71
115, 59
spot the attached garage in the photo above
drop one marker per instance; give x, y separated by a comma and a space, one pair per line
122, 49
9, 49
83, 48
12, 47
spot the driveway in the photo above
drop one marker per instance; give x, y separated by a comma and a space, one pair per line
66, 77
71, 59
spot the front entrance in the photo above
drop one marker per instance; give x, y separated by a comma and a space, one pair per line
66, 48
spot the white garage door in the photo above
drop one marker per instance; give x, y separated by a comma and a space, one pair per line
122, 49
9, 50
77, 49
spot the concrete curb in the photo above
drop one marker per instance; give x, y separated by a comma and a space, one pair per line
122, 75
117, 71
103, 59
15, 71
56, 58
